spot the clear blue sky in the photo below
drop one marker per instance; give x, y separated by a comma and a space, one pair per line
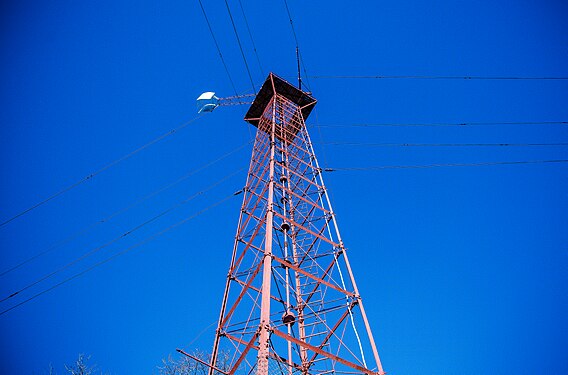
464, 270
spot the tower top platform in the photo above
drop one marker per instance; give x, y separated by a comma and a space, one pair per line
276, 85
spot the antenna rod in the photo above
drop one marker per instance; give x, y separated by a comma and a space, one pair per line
299, 76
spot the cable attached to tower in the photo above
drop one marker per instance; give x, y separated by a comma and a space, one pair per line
116, 255
483, 164
101, 170
240, 45
299, 72
298, 55
122, 210
218, 48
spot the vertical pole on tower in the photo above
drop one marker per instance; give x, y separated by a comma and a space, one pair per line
299, 71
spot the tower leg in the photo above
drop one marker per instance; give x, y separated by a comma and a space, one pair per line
264, 338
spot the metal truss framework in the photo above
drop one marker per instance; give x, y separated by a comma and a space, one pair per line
291, 305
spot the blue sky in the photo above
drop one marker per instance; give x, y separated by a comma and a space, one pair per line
463, 269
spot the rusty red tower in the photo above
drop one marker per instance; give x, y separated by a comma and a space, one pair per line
291, 304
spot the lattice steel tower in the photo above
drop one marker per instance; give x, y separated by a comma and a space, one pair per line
291, 305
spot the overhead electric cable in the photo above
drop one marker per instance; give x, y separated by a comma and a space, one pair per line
138, 244
251, 39
441, 77
201, 333
240, 45
89, 177
218, 48
373, 168
360, 144
444, 124
125, 234
88, 228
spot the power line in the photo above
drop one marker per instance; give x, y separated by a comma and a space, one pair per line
251, 38
221, 55
148, 239
125, 234
360, 144
218, 48
240, 45
444, 124
201, 333
89, 177
373, 168
88, 228
440, 77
